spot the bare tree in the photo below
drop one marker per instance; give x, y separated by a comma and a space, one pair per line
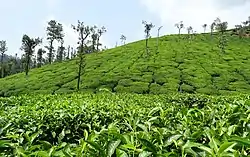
100, 33
190, 30
212, 27
123, 39
204, 27
221, 27
179, 25
158, 34
148, 27
83, 33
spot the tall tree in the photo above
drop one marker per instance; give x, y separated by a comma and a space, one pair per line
54, 32
40, 53
3, 49
240, 30
123, 39
190, 30
68, 52
83, 33
148, 27
28, 46
94, 38
60, 51
204, 27
221, 27
158, 35
212, 26
100, 33
179, 26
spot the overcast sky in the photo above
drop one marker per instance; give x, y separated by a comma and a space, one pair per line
30, 17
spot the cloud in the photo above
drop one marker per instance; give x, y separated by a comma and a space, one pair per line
226, 4
195, 13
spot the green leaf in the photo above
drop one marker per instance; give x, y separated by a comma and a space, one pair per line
4, 128
242, 141
150, 146
121, 153
208, 150
46, 144
34, 136
43, 154
93, 144
112, 146
129, 146
143, 127
145, 154
154, 110
4, 144
172, 139
225, 146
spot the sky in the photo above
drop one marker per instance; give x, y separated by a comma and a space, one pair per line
19, 17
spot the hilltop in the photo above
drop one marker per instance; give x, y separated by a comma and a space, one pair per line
180, 65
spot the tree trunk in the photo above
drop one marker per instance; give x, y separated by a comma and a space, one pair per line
51, 52
93, 47
97, 46
179, 31
27, 65
2, 71
79, 72
158, 40
147, 45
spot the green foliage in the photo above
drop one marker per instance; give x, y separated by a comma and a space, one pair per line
107, 124
199, 64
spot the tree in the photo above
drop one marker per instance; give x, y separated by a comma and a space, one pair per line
204, 27
83, 33
158, 34
54, 32
245, 23
28, 46
68, 52
179, 26
40, 53
94, 38
221, 27
212, 26
3, 49
100, 33
148, 27
123, 39
190, 30
240, 30
60, 51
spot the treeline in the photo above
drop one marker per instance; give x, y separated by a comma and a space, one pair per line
49, 53
89, 42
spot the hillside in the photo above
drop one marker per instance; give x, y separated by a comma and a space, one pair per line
195, 66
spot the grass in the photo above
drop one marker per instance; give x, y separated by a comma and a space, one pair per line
107, 124
186, 66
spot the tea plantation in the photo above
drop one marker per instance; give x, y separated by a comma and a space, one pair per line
180, 65
122, 125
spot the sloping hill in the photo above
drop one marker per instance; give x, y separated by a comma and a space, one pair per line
195, 66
